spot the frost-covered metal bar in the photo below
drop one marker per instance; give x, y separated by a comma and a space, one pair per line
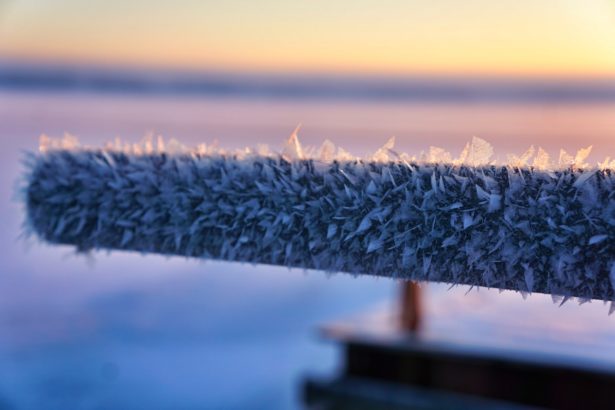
498, 226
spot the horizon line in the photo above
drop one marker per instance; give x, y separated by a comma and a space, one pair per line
76, 64
412, 88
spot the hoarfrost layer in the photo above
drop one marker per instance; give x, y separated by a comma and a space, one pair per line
509, 227
476, 152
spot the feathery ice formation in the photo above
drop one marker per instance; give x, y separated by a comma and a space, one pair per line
476, 152
463, 221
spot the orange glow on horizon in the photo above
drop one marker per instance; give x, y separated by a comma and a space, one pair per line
443, 37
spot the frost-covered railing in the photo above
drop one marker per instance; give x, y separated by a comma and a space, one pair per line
512, 226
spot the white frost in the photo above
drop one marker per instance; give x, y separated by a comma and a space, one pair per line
477, 152
383, 154
522, 160
292, 149
542, 160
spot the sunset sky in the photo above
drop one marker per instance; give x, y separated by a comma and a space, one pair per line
520, 37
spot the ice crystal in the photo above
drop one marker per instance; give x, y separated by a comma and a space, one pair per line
439, 155
523, 160
384, 153
565, 159
581, 157
327, 151
292, 149
476, 152
542, 160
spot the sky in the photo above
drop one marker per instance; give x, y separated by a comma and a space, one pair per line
520, 37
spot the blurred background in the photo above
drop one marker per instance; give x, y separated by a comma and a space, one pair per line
123, 330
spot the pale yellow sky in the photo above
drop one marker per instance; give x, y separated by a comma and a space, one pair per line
522, 37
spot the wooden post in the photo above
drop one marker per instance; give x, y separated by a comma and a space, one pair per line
411, 313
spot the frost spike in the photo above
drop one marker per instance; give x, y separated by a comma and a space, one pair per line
292, 149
